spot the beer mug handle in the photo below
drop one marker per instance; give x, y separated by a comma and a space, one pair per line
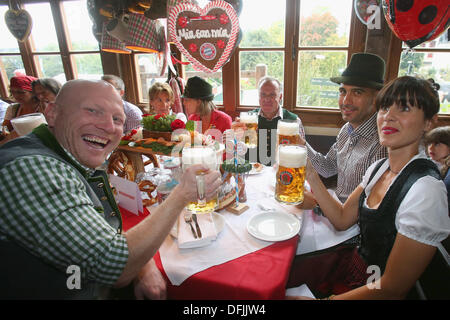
201, 197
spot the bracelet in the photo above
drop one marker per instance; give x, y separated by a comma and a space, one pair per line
329, 297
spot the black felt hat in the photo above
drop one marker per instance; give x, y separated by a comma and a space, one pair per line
198, 88
365, 70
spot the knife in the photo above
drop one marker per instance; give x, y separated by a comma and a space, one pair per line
199, 232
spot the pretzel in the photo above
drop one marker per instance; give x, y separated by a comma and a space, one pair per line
147, 187
121, 165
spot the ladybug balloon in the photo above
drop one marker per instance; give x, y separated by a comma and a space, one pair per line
417, 21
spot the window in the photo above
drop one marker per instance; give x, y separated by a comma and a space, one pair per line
301, 43
71, 53
430, 60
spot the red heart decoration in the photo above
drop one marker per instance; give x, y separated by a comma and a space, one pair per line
206, 36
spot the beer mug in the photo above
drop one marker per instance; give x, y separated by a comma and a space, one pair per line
207, 157
291, 174
26, 123
288, 132
250, 119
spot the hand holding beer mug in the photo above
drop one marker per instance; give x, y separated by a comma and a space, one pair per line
291, 174
288, 132
26, 123
207, 157
250, 119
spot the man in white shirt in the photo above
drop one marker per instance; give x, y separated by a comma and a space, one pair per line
132, 112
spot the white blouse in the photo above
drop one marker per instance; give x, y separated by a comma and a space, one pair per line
423, 214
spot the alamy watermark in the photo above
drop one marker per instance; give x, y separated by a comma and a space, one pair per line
373, 281
74, 278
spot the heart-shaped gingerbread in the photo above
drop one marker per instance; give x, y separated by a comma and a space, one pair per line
19, 23
206, 36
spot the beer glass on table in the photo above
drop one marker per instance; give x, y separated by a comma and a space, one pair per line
290, 174
288, 132
250, 119
208, 157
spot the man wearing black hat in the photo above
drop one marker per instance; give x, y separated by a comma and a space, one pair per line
357, 145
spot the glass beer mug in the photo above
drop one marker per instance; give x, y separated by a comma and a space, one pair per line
206, 156
288, 132
291, 174
250, 119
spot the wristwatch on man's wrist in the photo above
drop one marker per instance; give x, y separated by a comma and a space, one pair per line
318, 211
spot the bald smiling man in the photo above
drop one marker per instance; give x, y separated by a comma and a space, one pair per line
58, 213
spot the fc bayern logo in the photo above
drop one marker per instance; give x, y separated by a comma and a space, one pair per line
286, 178
208, 51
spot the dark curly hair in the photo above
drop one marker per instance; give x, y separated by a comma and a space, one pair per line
414, 91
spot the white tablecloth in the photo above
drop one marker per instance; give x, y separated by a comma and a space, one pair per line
233, 242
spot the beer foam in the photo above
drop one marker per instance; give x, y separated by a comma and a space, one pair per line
25, 124
288, 128
292, 156
248, 118
205, 156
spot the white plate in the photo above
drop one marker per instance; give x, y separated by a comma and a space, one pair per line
273, 226
218, 219
254, 170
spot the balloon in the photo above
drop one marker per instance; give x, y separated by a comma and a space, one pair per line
415, 21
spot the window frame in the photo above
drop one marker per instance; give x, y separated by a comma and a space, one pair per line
29, 54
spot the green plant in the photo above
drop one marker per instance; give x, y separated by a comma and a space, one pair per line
158, 122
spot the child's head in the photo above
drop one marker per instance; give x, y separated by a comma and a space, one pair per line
438, 143
161, 97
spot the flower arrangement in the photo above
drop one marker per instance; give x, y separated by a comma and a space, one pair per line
161, 122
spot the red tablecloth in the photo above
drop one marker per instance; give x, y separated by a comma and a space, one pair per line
259, 275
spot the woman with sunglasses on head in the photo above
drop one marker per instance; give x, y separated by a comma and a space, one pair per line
401, 204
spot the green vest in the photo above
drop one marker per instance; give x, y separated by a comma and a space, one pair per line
25, 276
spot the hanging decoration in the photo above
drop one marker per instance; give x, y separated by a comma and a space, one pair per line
206, 36
415, 22
362, 9
18, 21
112, 44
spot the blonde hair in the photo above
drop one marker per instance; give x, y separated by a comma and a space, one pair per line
159, 87
206, 107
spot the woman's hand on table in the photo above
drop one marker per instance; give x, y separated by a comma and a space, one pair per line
150, 283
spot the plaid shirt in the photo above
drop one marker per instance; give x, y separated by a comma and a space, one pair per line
350, 156
133, 116
45, 209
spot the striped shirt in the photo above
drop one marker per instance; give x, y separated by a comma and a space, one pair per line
350, 156
46, 210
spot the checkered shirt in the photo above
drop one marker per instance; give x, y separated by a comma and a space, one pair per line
350, 156
133, 116
46, 210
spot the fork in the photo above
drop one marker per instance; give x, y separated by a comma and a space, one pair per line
188, 220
